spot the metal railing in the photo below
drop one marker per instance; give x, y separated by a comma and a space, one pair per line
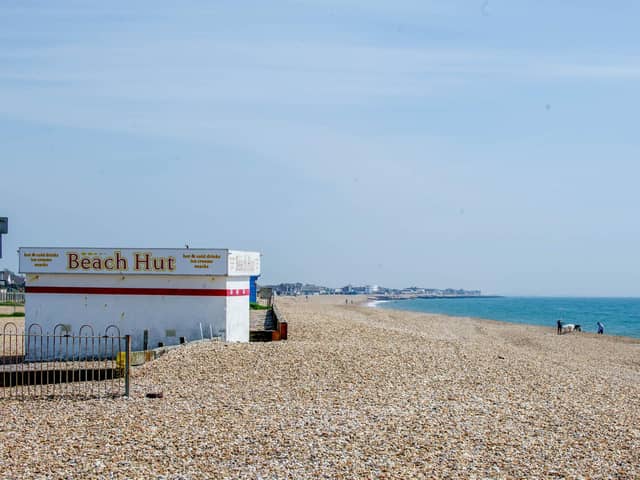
87, 365
11, 297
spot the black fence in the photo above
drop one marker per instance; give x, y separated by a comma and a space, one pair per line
35, 364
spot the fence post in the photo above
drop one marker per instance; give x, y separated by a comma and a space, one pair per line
127, 356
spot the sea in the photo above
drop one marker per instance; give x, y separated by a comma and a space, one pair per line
620, 316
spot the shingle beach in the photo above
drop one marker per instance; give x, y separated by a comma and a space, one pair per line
355, 392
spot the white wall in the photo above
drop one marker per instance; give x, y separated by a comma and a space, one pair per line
225, 316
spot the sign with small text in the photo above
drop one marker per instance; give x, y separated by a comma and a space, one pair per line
139, 261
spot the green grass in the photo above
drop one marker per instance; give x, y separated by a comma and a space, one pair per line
11, 304
257, 306
14, 314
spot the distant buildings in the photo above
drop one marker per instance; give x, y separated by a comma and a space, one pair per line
11, 281
363, 290
11, 287
295, 289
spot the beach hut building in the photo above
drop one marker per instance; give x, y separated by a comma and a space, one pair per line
253, 288
170, 293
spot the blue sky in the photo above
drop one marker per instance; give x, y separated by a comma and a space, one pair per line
487, 144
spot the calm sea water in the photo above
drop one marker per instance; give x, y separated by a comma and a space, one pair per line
621, 316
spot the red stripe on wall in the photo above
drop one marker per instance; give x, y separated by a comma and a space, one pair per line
183, 292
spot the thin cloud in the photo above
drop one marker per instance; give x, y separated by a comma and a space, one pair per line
620, 71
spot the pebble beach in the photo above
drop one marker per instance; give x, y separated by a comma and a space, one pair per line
356, 392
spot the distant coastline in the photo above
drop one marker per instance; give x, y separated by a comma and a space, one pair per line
389, 298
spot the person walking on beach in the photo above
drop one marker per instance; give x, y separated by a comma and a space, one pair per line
600, 328
559, 326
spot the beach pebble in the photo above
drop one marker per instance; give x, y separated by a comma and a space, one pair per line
355, 392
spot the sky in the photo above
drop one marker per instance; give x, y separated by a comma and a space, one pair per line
484, 144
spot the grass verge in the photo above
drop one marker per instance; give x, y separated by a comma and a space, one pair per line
257, 306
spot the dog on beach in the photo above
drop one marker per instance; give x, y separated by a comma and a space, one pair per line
570, 327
